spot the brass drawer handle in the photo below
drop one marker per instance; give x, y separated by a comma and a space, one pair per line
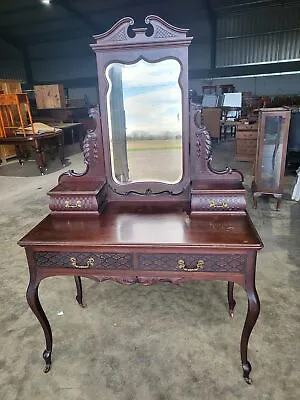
213, 204
199, 266
68, 204
90, 263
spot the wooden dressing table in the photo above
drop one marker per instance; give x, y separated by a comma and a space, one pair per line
183, 221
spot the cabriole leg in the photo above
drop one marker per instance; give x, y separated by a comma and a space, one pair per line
252, 315
231, 300
79, 291
35, 305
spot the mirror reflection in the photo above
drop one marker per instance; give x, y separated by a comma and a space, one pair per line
272, 152
145, 121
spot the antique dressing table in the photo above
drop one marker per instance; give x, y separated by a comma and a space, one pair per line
149, 207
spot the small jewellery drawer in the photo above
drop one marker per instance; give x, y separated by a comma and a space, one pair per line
193, 262
84, 260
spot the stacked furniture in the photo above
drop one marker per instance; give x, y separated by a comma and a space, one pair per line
50, 96
246, 140
9, 86
18, 129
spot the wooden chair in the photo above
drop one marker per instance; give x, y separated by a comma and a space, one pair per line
15, 114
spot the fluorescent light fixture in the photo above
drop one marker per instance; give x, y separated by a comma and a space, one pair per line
47, 2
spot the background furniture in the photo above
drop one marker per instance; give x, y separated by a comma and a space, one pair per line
38, 142
50, 96
293, 147
68, 115
273, 131
245, 141
12, 117
227, 88
211, 119
107, 225
15, 116
9, 86
72, 131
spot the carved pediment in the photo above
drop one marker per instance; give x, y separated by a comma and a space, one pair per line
119, 35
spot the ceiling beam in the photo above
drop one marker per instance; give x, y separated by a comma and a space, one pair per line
212, 17
19, 10
17, 44
93, 11
22, 48
36, 22
68, 6
27, 68
61, 35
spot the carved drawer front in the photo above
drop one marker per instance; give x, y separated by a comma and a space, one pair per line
84, 260
193, 262
203, 202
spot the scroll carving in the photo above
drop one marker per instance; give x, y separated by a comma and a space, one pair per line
202, 143
90, 147
146, 281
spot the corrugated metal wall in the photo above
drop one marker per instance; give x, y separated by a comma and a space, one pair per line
259, 36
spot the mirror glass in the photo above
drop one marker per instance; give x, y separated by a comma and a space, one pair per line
272, 152
144, 104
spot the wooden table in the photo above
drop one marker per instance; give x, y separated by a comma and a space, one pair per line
38, 142
70, 128
143, 245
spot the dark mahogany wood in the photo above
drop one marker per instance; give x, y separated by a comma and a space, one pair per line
146, 233
116, 45
231, 300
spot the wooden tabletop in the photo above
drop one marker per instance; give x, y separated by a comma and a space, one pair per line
29, 137
146, 228
64, 125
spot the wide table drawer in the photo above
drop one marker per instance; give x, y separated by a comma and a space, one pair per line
84, 260
183, 262
193, 262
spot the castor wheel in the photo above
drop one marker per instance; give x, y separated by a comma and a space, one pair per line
47, 358
246, 372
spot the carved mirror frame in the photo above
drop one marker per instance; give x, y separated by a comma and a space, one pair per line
156, 42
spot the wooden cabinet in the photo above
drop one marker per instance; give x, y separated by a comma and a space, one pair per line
50, 96
273, 131
246, 139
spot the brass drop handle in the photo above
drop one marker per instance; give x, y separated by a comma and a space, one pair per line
199, 266
89, 264
69, 204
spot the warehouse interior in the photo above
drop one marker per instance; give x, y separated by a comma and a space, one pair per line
160, 341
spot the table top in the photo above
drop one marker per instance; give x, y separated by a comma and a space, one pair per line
29, 137
64, 125
124, 226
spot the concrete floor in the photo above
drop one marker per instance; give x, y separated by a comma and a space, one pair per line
137, 343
